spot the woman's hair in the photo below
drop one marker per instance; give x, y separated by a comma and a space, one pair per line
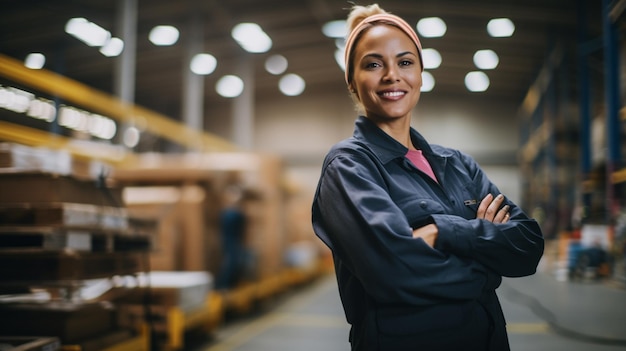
358, 13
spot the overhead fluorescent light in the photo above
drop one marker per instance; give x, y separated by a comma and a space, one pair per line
276, 64
87, 32
229, 86
35, 60
432, 58
431, 27
428, 82
251, 38
112, 48
203, 64
164, 35
486, 59
291, 84
476, 81
500, 27
335, 29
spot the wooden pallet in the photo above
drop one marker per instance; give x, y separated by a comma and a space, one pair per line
75, 239
38, 187
63, 214
38, 267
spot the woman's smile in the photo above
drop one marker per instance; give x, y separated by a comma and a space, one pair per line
392, 94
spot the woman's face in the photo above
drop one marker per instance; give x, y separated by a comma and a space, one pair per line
387, 73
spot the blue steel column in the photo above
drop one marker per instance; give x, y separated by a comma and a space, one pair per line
584, 101
611, 87
551, 152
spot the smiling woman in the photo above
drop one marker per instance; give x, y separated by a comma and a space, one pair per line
420, 236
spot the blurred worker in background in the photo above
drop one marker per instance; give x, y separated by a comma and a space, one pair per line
420, 236
232, 224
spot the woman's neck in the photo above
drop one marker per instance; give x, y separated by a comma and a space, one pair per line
398, 129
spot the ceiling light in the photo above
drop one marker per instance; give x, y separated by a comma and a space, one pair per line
87, 32
291, 84
335, 29
276, 64
35, 60
500, 27
251, 38
476, 81
486, 59
432, 58
431, 27
112, 48
340, 43
131, 137
428, 82
339, 58
101, 127
164, 35
229, 86
203, 64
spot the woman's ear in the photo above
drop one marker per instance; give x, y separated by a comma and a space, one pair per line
352, 90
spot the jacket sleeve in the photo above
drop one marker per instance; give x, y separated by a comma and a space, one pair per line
511, 249
354, 215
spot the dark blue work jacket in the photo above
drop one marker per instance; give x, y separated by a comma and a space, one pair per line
396, 290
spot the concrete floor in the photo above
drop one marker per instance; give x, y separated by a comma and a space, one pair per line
543, 313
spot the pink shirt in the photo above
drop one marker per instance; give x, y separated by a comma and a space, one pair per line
421, 162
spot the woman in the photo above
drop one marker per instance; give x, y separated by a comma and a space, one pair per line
420, 237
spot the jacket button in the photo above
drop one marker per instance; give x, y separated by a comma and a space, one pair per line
423, 204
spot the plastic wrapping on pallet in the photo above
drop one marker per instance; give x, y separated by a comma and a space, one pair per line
25, 158
185, 290
22, 158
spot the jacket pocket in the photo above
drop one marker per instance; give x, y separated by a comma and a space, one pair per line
417, 211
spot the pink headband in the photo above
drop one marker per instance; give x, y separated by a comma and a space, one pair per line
397, 21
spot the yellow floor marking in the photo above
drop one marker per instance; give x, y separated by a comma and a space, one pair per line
257, 327
527, 328
246, 333
318, 321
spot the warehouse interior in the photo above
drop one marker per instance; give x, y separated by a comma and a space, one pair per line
114, 164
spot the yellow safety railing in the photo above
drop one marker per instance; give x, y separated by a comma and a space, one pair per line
111, 106
80, 149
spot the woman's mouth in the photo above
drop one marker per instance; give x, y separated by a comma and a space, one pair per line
392, 94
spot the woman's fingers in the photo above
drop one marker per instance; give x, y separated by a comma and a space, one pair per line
502, 216
491, 209
482, 208
428, 233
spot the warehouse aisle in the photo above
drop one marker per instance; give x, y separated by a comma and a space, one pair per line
542, 314
308, 319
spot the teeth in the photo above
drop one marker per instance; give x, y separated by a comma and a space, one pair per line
393, 93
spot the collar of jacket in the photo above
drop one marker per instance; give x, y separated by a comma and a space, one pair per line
384, 146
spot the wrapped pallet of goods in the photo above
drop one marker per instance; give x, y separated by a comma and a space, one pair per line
62, 230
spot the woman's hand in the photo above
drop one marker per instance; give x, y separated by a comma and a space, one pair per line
428, 233
491, 209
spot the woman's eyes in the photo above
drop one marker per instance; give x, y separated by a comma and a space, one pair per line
372, 65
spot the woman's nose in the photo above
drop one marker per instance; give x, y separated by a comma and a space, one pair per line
391, 74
